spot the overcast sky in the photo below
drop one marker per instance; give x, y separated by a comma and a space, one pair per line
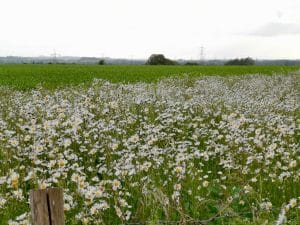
137, 28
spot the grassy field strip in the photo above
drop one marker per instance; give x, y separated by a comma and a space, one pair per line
23, 77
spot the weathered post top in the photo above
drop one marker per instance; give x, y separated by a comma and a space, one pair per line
47, 206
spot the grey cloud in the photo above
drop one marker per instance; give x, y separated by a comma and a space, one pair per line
277, 29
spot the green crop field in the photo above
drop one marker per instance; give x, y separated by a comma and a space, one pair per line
53, 76
150, 145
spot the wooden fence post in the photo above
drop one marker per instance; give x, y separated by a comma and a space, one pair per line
47, 206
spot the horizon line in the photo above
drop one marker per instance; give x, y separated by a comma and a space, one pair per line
131, 59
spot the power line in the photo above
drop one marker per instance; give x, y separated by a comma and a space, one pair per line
55, 55
202, 53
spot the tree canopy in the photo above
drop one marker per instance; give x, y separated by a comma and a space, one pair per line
159, 59
245, 61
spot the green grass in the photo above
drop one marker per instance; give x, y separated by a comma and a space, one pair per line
24, 77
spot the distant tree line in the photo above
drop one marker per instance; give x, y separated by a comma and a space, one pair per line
241, 62
191, 64
101, 62
159, 59
120, 61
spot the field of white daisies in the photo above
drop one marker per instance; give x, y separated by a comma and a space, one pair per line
206, 150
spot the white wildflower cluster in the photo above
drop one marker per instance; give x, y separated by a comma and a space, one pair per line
20, 220
282, 215
131, 152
